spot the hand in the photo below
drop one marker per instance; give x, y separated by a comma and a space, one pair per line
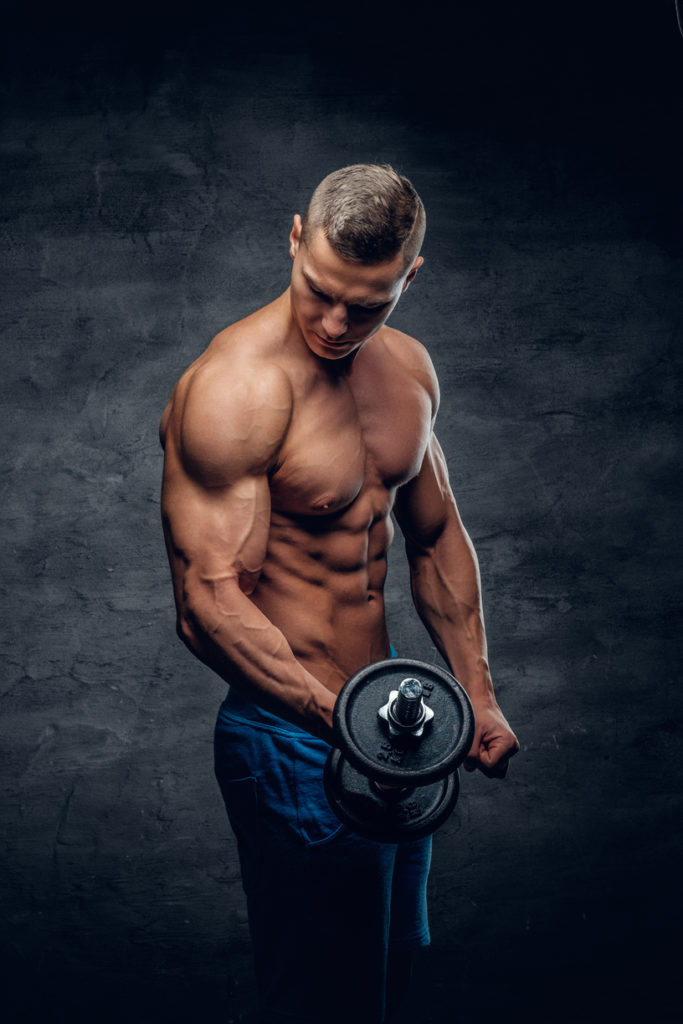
494, 741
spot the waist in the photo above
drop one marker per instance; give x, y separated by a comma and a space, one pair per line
237, 706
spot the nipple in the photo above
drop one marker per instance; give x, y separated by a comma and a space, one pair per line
324, 503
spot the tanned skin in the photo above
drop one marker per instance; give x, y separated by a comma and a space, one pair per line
288, 445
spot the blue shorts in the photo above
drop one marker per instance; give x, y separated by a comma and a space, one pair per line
325, 905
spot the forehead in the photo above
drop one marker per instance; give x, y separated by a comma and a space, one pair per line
353, 282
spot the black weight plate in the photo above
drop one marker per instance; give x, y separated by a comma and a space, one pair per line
364, 738
386, 819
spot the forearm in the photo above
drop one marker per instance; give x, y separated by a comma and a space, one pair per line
226, 631
447, 595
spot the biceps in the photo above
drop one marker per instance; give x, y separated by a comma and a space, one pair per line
424, 506
217, 535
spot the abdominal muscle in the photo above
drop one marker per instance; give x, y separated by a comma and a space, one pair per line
322, 585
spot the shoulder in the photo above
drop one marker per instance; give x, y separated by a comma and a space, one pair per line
232, 409
412, 358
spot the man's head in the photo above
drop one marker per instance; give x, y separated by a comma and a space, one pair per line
368, 213
355, 253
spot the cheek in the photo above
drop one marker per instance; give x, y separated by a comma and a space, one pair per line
368, 324
309, 305
304, 306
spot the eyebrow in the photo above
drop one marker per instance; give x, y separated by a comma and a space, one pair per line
362, 305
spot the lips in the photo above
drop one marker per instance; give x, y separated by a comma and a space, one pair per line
332, 344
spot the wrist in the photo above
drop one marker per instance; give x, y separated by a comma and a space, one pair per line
478, 684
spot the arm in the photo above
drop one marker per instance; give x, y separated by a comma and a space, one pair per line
222, 438
447, 594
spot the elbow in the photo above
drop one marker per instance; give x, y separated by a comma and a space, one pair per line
419, 549
187, 633
421, 543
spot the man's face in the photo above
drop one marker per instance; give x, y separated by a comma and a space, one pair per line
338, 305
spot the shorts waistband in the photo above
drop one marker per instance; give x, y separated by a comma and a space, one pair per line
237, 706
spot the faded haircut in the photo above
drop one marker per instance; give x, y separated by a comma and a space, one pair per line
368, 213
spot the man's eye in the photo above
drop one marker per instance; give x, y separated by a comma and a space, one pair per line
365, 310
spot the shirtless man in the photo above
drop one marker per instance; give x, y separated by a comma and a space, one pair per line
288, 445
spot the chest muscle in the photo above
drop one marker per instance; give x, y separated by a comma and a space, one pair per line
342, 442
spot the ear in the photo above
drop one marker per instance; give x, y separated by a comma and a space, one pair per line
295, 236
413, 271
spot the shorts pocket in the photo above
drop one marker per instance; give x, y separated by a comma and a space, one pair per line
241, 803
316, 820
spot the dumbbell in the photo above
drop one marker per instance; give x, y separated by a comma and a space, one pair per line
402, 728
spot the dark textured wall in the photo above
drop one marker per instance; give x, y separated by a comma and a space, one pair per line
151, 164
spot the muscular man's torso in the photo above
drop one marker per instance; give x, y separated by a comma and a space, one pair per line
355, 434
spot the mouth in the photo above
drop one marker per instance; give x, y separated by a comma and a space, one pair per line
332, 344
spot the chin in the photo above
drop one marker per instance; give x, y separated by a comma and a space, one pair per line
332, 350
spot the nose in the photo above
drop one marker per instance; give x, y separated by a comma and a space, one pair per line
335, 321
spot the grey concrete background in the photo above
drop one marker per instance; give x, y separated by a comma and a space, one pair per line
151, 164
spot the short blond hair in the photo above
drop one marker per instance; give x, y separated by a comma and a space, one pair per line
368, 212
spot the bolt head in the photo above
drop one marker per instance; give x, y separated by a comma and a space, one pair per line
395, 729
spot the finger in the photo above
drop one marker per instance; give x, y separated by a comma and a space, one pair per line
500, 748
491, 756
496, 771
494, 764
471, 762
477, 745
